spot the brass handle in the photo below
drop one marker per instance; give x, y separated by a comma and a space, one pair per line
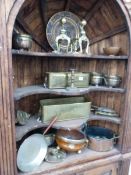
51, 124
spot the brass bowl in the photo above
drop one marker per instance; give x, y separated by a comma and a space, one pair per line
71, 140
112, 80
96, 78
112, 51
22, 41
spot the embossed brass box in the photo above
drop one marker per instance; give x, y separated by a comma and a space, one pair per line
63, 79
64, 108
81, 80
56, 80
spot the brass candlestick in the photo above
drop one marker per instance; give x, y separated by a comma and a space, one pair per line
72, 80
83, 38
63, 40
74, 45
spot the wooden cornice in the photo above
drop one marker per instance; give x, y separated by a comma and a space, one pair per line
44, 18
111, 33
77, 6
43, 9
94, 9
67, 5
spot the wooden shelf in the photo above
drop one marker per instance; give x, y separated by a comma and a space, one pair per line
31, 124
39, 89
115, 120
34, 123
69, 55
83, 160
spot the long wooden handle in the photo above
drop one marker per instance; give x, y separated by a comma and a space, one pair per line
51, 124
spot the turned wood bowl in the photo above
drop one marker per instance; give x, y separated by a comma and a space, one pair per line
71, 140
112, 51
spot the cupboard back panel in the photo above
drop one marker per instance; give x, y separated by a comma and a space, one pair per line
31, 70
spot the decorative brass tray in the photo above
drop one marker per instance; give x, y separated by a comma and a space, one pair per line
72, 27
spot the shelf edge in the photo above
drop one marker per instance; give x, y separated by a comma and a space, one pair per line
39, 89
33, 124
52, 54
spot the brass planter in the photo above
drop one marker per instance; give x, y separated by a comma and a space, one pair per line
22, 41
112, 80
96, 79
71, 140
64, 109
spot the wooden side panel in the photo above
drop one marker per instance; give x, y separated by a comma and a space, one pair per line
8, 5
7, 142
106, 170
124, 167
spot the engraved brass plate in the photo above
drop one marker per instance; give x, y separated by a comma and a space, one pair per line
54, 27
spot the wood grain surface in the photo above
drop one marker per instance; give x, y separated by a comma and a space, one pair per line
107, 26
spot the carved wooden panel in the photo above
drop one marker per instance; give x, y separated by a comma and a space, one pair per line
106, 170
107, 173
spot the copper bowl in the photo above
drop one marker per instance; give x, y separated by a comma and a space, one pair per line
71, 140
111, 50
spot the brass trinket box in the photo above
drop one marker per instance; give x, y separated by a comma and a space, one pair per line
63, 79
56, 80
81, 80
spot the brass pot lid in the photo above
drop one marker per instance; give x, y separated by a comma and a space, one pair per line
31, 153
55, 155
107, 114
106, 111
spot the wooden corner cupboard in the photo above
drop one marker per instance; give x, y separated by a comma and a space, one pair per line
22, 74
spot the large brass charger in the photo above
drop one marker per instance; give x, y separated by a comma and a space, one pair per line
53, 29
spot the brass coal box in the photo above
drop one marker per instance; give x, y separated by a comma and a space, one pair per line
64, 108
63, 79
